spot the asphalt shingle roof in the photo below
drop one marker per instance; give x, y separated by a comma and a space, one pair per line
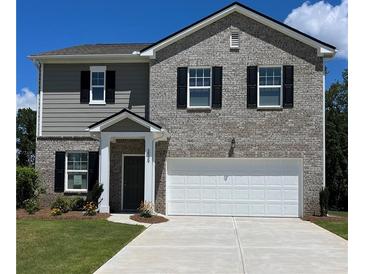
124, 48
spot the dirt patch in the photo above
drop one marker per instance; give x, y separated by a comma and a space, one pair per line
45, 214
324, 218
155, 219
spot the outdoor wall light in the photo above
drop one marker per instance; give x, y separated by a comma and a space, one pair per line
233, 143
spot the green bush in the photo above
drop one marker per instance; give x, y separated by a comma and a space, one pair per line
27, 185
95, 193
62, 203
31, 205
77, 203
324, 201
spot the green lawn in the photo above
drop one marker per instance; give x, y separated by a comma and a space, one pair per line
338, 226
338, 213
69, 246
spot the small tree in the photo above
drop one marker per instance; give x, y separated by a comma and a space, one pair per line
25, 136
95, 193
27, 185
323, 201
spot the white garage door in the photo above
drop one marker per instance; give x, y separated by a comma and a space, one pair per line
234, 187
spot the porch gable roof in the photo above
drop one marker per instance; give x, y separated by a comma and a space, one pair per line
121, 115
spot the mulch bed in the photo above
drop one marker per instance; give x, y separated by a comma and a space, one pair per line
155, 219
45, 214
324, 218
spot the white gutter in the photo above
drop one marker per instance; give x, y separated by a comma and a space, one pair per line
110, 58
324, 126
40, 99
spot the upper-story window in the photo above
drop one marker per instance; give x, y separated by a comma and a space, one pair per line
199, 88
269, 87
97, 85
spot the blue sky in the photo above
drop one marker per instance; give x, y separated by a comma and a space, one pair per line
44, 25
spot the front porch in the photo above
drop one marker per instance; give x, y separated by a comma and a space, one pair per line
127, 158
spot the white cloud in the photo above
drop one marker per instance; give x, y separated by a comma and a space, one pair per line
26, 99
323, 21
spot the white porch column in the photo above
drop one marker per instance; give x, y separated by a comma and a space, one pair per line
149, 169
104, 162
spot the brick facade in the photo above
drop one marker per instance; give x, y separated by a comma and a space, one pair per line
286, 133
46, 148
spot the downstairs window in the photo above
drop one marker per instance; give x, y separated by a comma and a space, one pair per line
76, 172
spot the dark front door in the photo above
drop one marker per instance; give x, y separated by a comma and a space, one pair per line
133, 182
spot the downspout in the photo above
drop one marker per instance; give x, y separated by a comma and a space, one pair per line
324, 126
40, 98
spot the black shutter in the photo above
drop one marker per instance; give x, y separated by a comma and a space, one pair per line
59, 177
288, 86
85, 87
251, 86
93, 169
110, 87
182, 86
217, 87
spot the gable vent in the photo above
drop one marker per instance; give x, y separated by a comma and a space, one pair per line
235, 40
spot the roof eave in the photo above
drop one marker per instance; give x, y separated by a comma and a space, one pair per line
322, 48
69, 58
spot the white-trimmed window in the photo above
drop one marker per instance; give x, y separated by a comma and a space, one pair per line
200, 87
97, 85
76, 169
269, 88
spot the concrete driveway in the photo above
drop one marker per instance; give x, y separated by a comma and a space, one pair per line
232, 245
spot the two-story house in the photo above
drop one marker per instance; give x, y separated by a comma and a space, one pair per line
223, 117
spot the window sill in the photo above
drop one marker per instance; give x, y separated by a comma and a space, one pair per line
199, 109
97, 104
270, 108
75, 191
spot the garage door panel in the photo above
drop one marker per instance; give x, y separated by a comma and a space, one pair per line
257, 194
240, 180
192, 194
290, 180
209, 194
273, 180
175, 193
238, 187
274, 195
224, 194
257, 209
240, 194
225, 208
290, 195
257, 180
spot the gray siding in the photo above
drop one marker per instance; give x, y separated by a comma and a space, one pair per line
126, 125
63, 115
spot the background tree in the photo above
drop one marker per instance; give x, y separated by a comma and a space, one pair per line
25, 137
337, 143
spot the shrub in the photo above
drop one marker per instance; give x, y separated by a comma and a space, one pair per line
95, 193
77, 203
324, 201
146, 209
31, 205
62, 203
56, 211
90, 209
27, 185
